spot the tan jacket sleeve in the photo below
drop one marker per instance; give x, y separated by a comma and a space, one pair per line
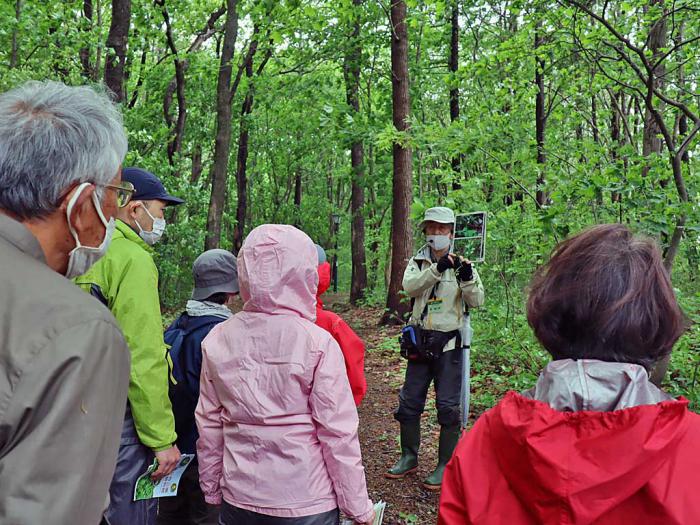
473, 291
416, 281
62, 424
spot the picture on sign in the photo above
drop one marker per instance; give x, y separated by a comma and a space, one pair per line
470, 236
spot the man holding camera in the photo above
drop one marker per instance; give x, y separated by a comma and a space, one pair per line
442, 287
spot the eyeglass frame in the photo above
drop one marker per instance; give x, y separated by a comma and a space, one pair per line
124, 186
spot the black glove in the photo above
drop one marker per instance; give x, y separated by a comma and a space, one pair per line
445, 262
465, 272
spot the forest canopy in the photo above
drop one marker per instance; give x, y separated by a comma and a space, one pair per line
348, 118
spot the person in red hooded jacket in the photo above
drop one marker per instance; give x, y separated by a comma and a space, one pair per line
352, 346
594, 442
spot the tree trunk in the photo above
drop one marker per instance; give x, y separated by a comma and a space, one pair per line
242, 166
84, 52
351, 71
14, 52
178, 131
454, 89
297, 195
683, 119
401, 237
615, 134
222, 145
540, 120
242, 210
594, 119
196, 164
116, 45
652, 142
177, 84
139, 81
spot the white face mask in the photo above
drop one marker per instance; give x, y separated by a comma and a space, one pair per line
439, 242
153, 236
81, 258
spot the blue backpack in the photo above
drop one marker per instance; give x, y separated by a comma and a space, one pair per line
174, 338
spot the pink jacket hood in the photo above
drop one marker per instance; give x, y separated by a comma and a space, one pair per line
278, 272
276, 417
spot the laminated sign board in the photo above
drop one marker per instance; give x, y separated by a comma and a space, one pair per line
470, 236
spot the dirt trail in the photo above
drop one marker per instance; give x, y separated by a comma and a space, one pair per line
407, 501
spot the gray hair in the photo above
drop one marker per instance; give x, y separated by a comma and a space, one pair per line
53, 136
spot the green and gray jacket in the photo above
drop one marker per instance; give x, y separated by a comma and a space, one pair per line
444, 295
126, 281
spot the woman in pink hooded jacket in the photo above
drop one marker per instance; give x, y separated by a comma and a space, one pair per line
277, 422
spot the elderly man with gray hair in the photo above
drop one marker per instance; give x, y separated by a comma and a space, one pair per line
64, 364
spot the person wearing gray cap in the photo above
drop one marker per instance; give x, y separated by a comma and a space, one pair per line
215, 284
442, 288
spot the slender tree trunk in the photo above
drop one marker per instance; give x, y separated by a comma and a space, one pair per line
196, 164
242, 165
222, 145
178, 130
351, 71
682, 118
177, 84
84, 53
97, 70
594, 120
401, 237
540, 120
14, 51
615, 134
297, 194
139, 81
652, 142
117, 40
454, 89
242, 210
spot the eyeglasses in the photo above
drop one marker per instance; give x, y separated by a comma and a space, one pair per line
125, 191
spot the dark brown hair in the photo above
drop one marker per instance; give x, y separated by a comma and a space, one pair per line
606, 295
218, 298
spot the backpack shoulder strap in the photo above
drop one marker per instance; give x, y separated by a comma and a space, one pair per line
420, 269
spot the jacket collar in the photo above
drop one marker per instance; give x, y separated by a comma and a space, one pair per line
424, 254
587, 384
207, 308
20, 237
127, 231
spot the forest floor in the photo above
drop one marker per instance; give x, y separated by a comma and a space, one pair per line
407, 501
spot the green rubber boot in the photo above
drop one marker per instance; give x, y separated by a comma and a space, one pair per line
410, 442
449, 435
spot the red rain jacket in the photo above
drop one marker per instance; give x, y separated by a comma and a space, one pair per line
524, 463
352, 346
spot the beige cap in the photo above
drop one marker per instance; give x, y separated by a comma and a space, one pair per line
438, 214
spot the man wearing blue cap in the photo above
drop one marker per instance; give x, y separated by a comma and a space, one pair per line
126, 281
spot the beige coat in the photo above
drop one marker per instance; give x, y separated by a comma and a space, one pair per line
446, 311
64, 374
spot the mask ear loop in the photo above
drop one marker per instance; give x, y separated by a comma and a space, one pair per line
98, 209
151, 216
69, 210
148, 213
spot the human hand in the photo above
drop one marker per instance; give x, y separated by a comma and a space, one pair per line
465, 272
167, 461
368, 522
445, 262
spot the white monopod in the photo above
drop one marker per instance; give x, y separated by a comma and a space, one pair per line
466, 335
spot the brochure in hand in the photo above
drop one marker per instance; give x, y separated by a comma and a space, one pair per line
378, 514
146, 488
